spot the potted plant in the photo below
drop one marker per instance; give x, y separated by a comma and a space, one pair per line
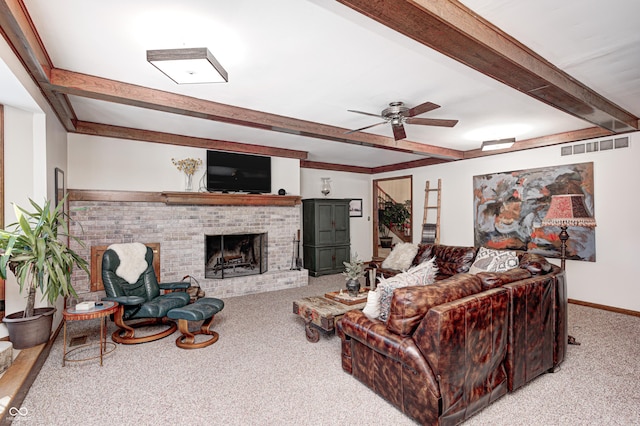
353, 270
40, 260
391, 215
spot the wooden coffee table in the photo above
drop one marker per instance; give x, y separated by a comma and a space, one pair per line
322, 313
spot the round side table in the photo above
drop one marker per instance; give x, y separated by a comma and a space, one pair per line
100, 312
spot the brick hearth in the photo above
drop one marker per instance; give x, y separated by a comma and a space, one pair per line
180, 230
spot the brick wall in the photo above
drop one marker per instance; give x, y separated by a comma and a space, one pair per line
180, 230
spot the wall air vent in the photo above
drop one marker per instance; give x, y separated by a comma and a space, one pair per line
603, 145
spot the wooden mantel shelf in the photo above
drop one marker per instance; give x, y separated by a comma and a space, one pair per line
186, 198
217, 199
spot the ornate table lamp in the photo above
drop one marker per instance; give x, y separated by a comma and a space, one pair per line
567, 210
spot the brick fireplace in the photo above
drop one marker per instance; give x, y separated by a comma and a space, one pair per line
181, 231
235, 255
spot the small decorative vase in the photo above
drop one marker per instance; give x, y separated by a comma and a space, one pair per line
188, 182
353, 287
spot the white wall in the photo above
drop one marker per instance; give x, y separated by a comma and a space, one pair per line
345, 185
102, 163
611, 280
34, 144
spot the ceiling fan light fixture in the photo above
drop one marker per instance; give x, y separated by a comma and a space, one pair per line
189, 65
498, 144
397, 114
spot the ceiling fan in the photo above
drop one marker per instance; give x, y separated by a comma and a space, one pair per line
398, 114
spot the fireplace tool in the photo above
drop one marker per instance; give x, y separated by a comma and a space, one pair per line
296, 262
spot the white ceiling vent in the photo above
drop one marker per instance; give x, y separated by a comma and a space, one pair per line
603, 145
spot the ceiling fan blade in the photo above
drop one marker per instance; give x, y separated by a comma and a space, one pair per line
432, 122
365, 128
365, 113
398, 132
421, 109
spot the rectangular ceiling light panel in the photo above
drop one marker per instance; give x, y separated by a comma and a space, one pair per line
498, 144
188, 66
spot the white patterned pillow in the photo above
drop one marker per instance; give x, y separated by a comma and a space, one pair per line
489, 260
372, 308
401, 256
422, 274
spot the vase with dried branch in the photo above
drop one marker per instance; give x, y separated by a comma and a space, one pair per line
189, 166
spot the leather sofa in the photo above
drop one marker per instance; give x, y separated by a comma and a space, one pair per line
451, 348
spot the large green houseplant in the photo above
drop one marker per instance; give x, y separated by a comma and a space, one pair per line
34, 249
391, 214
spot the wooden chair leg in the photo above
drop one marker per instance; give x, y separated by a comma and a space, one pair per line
126, 332
187, 339
204, 328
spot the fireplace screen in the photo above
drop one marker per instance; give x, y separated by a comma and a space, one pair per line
236, 255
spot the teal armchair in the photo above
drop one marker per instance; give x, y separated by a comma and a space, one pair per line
141, 303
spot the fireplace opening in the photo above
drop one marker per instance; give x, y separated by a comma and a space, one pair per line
235, 255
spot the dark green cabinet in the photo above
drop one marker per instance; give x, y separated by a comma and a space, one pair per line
326, 240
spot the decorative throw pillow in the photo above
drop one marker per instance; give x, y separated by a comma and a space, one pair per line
400, 257
422, 274
489, 260
372, 308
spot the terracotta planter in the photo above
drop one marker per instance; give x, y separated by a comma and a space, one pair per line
27, 332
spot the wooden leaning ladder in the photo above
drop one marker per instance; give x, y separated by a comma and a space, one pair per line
431, 231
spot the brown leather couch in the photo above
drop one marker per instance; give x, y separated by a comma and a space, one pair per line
451, 348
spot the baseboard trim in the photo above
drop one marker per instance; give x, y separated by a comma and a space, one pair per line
19, 377
605, 307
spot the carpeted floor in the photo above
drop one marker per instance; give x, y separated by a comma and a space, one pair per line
262, 371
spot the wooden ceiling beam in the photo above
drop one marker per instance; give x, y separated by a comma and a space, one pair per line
106, 130
306, 164
409, 165
452, 29
19, 31
72, 83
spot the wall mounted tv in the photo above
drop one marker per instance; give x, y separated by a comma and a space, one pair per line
234, 172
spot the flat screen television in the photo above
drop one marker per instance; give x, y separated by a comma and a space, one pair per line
234, 172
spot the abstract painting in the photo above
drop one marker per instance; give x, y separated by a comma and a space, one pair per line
509, 208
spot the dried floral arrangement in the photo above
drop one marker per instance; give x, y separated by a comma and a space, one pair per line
188, 165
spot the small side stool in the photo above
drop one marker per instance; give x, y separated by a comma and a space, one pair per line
203, 309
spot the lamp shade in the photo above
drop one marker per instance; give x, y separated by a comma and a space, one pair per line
568, 210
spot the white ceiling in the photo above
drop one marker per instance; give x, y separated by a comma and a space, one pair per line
314, 59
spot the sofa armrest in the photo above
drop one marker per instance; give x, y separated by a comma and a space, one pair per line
374, 334
532, 331
465, 343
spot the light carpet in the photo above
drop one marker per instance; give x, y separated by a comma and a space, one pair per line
262, 371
